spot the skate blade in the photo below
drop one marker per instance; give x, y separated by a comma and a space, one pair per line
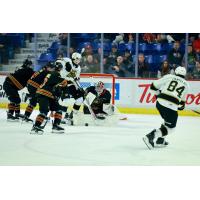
59, 132
160, 146
146, 141
11, 120
36, 133
26, 122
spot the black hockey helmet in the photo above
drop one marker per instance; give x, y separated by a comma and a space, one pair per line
58, 66
27, 63
51, 65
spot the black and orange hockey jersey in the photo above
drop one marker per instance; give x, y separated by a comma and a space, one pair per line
36, 80
20, 77
52, 80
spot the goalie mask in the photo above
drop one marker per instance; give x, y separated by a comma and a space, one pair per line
76, 58
99, 87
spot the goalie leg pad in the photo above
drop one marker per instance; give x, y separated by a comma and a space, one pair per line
89, 98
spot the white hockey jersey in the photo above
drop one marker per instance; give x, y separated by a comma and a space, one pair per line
64, 73
173, 90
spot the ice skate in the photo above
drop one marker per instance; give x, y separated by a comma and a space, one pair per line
26, 119
12, 118
67, 119
161, 142
57, 129
36, 130
148, 139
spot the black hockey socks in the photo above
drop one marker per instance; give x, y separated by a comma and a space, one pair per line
29, 110
17, 109
57, 117
39, 119
11, 108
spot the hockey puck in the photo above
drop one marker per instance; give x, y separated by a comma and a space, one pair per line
86, 124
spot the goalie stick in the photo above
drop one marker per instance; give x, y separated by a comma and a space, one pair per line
88, 105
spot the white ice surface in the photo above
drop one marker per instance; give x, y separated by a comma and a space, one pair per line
121, 145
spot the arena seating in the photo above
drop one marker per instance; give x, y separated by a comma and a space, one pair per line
155, 53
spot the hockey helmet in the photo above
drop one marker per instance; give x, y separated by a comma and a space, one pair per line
27, 63
99, 87
58, 66
76, 58
180, 71
50, 65
60, 61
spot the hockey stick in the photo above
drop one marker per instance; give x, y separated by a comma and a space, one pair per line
88, 105
197, 112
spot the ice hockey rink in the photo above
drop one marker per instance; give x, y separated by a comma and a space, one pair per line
99, 146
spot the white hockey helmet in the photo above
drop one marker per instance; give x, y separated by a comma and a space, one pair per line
99, 87
180, 71
76, 57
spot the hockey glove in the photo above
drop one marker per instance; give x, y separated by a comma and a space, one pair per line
72, 74
181, 105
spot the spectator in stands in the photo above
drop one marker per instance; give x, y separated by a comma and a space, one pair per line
192, 58
128, 62
196, 72
90, 65
106, 66
177, 37
4, 52
161, 38
119, 69
196, 44
175, 55
113, 55
129, 38
86, 51
149, 37
143, 66
165, 69
60, 56
63, 37
119, 39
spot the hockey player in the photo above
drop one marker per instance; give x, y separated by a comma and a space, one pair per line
47, 100
33, 84
71, 72
101, 98
13, 83
171, 93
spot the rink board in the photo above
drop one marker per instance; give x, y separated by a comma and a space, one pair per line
131, 96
